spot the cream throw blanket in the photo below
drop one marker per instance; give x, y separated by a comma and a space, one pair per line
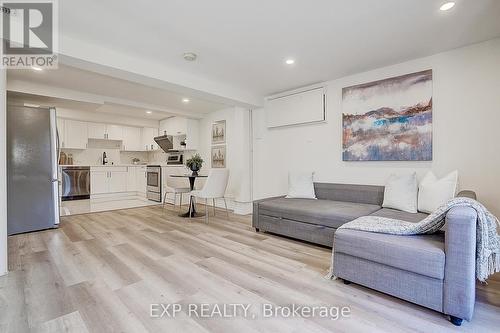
487, 238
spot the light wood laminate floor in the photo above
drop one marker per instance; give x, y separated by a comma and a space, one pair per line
100, 272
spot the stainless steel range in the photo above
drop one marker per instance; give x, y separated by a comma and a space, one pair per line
153, 173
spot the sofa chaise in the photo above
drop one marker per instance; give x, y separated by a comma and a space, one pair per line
436, 271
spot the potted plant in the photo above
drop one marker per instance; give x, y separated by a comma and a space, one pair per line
195, 163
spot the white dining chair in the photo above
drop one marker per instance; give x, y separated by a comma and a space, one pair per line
176, 186
215, 188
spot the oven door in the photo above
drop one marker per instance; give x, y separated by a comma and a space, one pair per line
154, 180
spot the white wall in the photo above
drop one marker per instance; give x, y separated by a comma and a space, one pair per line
237, 151
466, 129
3, 175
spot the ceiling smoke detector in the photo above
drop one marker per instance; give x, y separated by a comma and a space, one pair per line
189, 56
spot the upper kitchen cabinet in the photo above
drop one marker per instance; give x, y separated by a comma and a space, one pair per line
174, 126
60, 132
114, 132
132, 139
148, 135
183, 128
75, 134
105, 131
97, 131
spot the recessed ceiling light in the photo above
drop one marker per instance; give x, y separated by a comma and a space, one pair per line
185, 100
447, 6
32, 105
36, 68
189, 56
289, 61
149, 112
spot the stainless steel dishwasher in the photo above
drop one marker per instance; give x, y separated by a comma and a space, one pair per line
75, 182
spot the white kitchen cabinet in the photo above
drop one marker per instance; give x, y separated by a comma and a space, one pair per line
97, 131
75, 134
105, 131
108, 179
131, 179
117, 181
141, 181
181, 128
114, 132
99, 183
132, 139
61, 132
148, 135
173, 126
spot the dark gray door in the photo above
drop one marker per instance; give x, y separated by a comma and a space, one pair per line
31, 192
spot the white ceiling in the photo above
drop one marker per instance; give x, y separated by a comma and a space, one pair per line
111, 88
244, 43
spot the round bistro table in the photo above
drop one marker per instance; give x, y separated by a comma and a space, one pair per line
192, 205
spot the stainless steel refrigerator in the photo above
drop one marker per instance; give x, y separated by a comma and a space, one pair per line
32, 168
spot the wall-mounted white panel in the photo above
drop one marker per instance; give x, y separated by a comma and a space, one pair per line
298, 108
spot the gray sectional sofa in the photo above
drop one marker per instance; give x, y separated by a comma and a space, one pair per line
436, 271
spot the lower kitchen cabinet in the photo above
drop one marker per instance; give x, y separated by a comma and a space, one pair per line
132, 179
141, 181
118, 181
105, 180
99, 183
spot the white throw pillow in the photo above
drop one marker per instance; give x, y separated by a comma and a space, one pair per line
401, 192
434, 192
300, 185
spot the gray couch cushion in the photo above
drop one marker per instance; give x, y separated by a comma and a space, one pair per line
323, 212
423, 254
400, 215
366, 194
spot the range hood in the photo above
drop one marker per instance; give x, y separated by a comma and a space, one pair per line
165, 142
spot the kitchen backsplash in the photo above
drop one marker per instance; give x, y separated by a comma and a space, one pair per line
93, 156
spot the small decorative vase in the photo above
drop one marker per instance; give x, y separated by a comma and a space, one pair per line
195, 169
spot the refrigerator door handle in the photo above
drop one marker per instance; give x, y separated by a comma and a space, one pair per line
55, 163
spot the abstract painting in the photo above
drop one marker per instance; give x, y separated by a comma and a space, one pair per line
388, 120
219, 157
219, 132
